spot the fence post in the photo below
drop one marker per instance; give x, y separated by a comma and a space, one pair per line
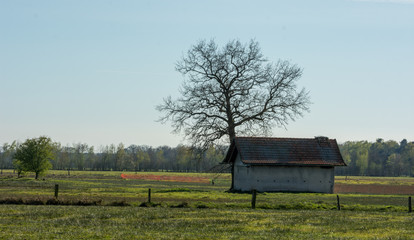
409, 205
56, 190
254, 199
338, 205
149, 195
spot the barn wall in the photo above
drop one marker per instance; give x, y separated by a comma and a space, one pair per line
283, 178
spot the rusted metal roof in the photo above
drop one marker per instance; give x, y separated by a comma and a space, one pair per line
318, 151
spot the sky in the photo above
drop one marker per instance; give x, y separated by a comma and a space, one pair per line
94, 71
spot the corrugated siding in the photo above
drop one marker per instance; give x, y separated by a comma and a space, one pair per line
287, 151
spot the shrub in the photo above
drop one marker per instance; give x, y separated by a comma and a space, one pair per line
181, 205
12, 201
34, 202
122, 203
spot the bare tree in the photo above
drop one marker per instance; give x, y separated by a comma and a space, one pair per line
232, 91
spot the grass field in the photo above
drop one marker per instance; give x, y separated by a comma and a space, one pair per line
103, 222
189, 189
185, 207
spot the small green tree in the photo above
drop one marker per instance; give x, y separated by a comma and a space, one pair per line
34, 155
18, 166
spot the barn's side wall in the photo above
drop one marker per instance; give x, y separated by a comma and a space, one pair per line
283, 178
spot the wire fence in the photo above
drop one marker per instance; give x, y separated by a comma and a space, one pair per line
345, 201
375, 202
382, 189
350, 194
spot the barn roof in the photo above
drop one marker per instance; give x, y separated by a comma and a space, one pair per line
318, 151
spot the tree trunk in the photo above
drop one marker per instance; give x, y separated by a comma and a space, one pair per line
231, 132
37, 175
232, 136
232, 177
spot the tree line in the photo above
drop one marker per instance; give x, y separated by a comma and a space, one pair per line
81, 156
381, 158
363, 158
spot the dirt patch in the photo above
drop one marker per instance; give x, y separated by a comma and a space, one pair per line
374, 189
153, 177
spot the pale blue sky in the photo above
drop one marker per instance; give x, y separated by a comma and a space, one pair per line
93, 71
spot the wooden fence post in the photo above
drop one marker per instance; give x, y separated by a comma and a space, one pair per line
338, 205
149, 195
254, 199
409, 205
56, 190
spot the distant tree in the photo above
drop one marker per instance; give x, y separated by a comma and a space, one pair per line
57, 151
34, 155
403, 145
160, 159
355, 155
132, 152
66, 157
120, 158
81, 150
377, 158
407, 153
143, 160
183, 158
362, 157
107, 158
112, 154
395, 165
6, 154
212, 157
233, 91
91, 157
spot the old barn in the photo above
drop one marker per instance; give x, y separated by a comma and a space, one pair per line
283, 164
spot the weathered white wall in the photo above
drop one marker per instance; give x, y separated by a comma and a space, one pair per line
283, 178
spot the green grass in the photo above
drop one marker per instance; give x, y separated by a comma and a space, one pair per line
190, 210
102, 222
107, 188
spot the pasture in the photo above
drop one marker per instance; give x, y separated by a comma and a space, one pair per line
104, 205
